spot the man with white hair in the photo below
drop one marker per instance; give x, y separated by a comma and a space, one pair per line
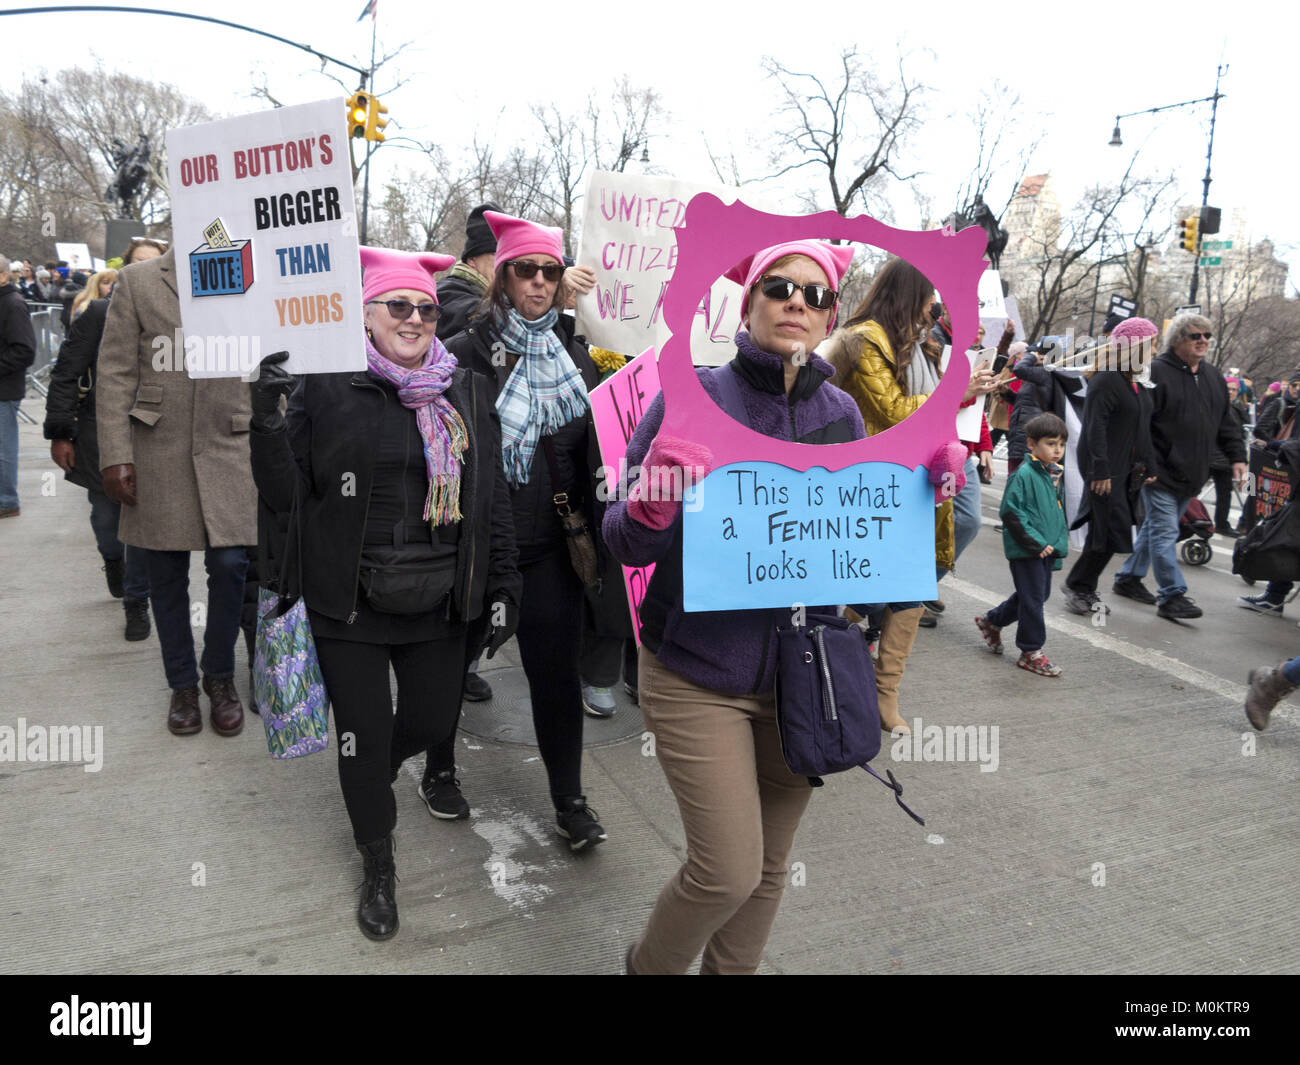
1190, 416
17, 352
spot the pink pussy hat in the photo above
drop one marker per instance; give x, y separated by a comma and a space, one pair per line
387, 270
834, 260
1134, 329
518, 236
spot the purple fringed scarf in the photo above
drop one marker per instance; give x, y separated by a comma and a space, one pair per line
441, 428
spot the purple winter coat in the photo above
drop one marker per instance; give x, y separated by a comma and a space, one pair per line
731, 651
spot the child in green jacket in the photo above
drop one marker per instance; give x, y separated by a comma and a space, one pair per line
1036, 539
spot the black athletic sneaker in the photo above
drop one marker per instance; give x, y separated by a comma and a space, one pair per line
1132, 588
441, 794
577, 822
477, 690
1178, 607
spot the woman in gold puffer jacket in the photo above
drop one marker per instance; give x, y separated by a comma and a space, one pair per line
894, 318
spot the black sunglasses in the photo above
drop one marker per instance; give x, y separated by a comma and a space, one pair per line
401, 309
1199, 336
526, 271
819, 297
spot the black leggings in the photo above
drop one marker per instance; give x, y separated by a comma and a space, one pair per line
373, 741
550, 628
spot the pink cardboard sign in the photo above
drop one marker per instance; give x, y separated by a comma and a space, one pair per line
783, 523
617, 406
716, 236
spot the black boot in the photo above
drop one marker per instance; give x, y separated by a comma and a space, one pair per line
377, 912
137, 618
114, 573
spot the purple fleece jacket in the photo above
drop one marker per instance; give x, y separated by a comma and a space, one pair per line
731, 651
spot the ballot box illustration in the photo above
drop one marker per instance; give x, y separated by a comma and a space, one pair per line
221, 267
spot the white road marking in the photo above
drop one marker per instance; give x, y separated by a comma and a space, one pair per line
1144, 656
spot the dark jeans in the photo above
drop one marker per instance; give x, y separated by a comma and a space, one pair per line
1087, 569
104, 514
169, 586
1222, 496
550, 626
1277, 591
372, 740
1024, 609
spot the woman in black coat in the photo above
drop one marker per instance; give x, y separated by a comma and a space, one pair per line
1115, 460
404, 518
538, 372
72, 429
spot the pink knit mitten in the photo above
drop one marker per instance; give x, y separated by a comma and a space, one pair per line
671, 467
947, 471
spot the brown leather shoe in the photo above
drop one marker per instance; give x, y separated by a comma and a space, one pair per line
183, 716
227, 714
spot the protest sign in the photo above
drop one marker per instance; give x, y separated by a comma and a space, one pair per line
77, 256
617, 405
629, 238
264, 230
778, 523
1271, 483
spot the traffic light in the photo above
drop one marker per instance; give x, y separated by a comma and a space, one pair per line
358, 110
1189, 227
374, 123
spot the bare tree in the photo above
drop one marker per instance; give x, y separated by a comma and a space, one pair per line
853, 127
998, 117
608, 136
58, 138
1056, 273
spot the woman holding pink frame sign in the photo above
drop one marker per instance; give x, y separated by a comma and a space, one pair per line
707, 679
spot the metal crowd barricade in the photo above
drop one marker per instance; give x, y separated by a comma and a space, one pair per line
48, 326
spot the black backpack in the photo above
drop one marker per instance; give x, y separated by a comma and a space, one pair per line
1271, 550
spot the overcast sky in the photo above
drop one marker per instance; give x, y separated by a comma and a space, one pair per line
475, 67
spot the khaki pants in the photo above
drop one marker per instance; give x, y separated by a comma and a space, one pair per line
740, 808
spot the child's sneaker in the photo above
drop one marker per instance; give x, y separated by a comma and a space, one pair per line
1037, 662
992, 633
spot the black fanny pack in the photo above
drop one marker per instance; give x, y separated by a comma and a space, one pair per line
406, 580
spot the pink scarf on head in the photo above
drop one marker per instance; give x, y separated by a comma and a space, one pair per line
441, 427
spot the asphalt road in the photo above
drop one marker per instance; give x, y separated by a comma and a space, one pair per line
1131, 821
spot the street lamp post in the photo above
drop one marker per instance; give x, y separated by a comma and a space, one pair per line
1213, 101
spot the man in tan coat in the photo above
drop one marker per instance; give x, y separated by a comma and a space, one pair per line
174, 452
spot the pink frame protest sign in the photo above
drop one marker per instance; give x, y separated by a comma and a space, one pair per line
747, 542
617, 406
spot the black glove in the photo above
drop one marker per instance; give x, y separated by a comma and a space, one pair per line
264, 393
508, 614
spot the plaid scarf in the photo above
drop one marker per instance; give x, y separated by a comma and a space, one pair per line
543, 393
441, 427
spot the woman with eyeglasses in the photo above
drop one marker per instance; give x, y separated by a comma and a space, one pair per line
884, 358
707, 679
403, 512
538, 372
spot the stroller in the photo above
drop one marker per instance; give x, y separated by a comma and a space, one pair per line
1195, 528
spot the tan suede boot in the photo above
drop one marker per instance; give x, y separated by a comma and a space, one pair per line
897, 633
